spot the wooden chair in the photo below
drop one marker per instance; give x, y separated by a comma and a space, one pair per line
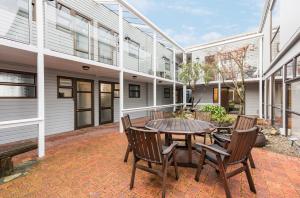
126, 125
241, 123
156, 115
238, 152
147, 146
204, 116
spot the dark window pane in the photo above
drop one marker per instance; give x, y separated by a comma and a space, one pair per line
106, 115
116, 94
65, 93
84, 118
17, 91
84, 86
65, 82
7, 77
106, 87
117, 86
106, 100
84, 100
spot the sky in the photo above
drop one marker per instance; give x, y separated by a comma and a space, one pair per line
191, 22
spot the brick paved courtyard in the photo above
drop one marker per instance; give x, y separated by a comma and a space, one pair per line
91, 165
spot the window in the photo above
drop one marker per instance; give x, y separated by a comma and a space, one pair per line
107, 50
64, 18
167, 92
64, 87
133, 48
298, 66
290, 70
81, 36
17, 84
117, 91
134, 91
215, 95
275, 31
167, 63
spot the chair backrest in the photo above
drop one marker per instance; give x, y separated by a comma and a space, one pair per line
242, 141
145, 144
244, 122
126, 123
204, 116
156, 115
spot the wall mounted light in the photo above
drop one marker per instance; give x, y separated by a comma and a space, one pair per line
85, 68
134, 77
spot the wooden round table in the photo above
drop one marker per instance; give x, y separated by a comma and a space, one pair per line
172, 126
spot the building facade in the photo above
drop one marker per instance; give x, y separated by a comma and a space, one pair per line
66, 65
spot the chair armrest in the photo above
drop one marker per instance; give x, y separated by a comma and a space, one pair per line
170, 149
230, 128
139, 126
212, 149
222, 138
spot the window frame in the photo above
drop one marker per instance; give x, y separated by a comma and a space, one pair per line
59, 27
135, 44
65, 87
168, 93
20, 84
118, 90
135, 91
75, 34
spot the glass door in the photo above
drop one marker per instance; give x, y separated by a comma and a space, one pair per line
106, 102
84, 108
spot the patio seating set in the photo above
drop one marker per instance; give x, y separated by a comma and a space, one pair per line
229, 146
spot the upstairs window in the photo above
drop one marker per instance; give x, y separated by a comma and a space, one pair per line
133, 48
167, 92
107, 46
275, 31
15, 84
134, 91
63, 17
167, 63
81, 36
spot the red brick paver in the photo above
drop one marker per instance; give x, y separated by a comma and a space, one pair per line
91, 165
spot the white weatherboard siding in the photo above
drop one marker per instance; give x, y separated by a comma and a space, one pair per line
160, 99
252, 99
59, 113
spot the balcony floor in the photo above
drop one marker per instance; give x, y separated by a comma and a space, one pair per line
91, 165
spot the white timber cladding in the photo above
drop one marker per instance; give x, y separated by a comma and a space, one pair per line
59, 113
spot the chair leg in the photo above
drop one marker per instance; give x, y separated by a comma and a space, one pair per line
149, 165
133, 173
204, 138
210, 137
200, 165
127, 153
165, 170
223, 176
249, 177
175, 165
252, 164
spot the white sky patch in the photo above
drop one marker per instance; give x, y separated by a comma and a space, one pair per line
197, 11
211, 36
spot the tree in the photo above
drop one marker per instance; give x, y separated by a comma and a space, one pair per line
192, 72
233, 67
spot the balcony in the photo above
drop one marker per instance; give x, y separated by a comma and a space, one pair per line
16, 22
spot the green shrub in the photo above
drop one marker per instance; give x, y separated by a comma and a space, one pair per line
218, 114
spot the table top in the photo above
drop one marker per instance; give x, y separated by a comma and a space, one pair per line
180, 126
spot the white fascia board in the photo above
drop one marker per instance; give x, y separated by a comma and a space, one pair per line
229, 81
18, 45
148, 22
265, 14
80, 60
138, 73
224, 41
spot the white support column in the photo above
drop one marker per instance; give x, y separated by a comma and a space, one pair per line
261, 78
184, 86
121, 64
184, 95
284, 103
174, 79
40, 77
270, 97
265, 99
154, 64
219, 86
